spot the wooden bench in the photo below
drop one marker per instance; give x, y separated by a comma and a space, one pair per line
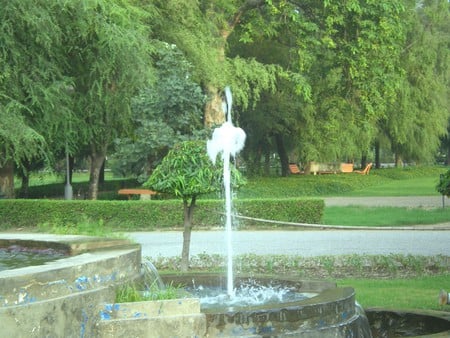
346, 167
366, 170
294, 169
145, 194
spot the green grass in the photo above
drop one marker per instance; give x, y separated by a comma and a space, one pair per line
384, 216
411, 293
83, 227
137, 293
418, 181
420, 186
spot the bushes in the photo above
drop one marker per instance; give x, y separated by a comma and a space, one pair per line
148, 215
443, 186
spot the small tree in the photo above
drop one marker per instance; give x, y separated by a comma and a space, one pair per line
187, 172
443, 186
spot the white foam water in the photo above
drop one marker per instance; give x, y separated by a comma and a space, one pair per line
229, 141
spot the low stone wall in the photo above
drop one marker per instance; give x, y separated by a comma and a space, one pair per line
64, 298
163, 318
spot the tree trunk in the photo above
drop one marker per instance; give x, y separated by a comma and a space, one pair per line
363, 161
101, 178
267, 163
7, 180
284, 160
188, 212
398, 161
377, 155
25, 185
448, 154
97, 157
214, 114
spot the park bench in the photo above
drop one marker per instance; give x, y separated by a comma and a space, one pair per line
365, 171
346, 167
144, 194
294, 169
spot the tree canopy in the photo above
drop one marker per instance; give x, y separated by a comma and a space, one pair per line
312, 80
187, 172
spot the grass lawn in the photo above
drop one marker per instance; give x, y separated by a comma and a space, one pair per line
420, 186
383, 216
411, 293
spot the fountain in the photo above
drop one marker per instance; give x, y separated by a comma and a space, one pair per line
257, 307
228, 140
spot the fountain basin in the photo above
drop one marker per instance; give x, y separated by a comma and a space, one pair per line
411, 323
331, 311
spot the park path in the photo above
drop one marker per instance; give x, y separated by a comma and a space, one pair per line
435, 201
314, 242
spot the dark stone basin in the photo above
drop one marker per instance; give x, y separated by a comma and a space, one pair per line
389, 323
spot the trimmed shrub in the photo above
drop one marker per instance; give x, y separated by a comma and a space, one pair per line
148, 215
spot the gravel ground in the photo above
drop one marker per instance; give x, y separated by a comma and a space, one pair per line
401, 201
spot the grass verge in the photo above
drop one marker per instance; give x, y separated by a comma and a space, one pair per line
383, 216
412, 293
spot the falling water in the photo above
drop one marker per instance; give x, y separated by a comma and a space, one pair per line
228, 140
151, 275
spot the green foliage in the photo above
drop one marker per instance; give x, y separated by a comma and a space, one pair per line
33, 86
164, 113
443, 186
306, 185
338, 266
148, 215
137, 293
187, 172
82, 227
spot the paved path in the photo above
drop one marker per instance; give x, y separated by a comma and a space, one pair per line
305, 243
312, 242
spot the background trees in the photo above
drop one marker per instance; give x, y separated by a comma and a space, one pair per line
166, 112
312, 80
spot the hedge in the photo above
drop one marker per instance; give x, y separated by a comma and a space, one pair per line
153, 214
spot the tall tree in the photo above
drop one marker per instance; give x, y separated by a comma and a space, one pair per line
419, 116
202, 29
34, 97
109, 52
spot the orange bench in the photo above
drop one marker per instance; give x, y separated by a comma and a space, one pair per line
294, 169
145, 194
346, 167
365, 171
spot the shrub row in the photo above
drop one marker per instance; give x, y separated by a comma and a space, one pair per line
148, 215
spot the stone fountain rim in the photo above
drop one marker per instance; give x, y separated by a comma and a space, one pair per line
327, 294
81, 249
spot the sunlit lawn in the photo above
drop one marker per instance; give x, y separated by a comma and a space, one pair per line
422, 186
383, 216
411, 293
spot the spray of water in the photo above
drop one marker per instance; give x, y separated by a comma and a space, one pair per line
229, 141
